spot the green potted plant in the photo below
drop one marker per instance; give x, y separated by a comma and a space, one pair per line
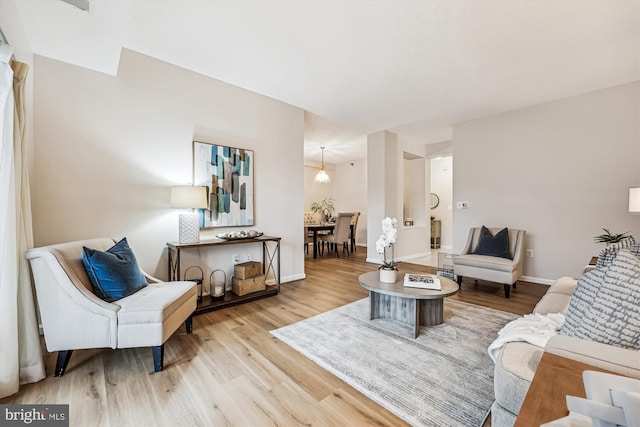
324, 207
607, 237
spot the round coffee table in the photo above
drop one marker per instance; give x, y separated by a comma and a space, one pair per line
414, 307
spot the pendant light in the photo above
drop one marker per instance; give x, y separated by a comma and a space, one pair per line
321, 176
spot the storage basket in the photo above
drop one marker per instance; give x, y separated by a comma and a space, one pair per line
247, 270
242, 287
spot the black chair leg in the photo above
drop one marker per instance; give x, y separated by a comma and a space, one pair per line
459, 280
507, 291
514, 285
158, 357
63, 361
189, 324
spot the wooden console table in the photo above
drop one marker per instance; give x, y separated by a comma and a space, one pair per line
270, 264
556, 378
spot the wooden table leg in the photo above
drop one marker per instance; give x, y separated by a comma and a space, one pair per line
431, 312
416, 318
373, 304
315, 244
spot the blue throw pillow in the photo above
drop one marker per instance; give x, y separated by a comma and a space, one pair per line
491, 245
115, 273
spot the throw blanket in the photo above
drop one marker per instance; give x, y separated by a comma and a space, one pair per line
535, 329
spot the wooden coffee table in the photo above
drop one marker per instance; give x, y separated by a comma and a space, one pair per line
409, 306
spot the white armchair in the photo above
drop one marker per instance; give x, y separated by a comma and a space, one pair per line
74, 318
491, 268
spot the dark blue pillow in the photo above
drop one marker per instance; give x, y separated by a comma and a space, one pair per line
114, 274
490, 245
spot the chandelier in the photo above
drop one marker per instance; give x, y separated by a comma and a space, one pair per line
321, 176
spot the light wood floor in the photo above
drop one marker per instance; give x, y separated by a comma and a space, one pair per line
231, 371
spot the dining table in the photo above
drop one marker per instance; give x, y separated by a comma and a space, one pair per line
327, 226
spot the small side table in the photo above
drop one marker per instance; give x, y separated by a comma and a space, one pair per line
556, 378
436, 227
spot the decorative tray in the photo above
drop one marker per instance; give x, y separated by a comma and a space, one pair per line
229, 237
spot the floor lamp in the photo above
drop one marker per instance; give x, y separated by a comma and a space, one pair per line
189, 197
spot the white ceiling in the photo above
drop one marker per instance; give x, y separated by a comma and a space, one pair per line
356, 67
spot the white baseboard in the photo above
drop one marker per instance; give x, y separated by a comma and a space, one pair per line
414, 256
293, 278
537, 280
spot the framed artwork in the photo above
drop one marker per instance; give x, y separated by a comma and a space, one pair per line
227, 172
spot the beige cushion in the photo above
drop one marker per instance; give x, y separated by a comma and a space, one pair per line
484, 261
557, 298
154, 303
623, 361
151, 315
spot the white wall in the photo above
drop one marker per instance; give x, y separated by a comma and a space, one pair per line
382, 172
108, 148
559, 170
442, 185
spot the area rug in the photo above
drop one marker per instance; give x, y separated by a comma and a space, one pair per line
442, 378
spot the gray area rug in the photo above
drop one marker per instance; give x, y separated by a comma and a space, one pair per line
442, 378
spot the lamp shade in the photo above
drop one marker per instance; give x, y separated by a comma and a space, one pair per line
322, 177
188, 197
634, 199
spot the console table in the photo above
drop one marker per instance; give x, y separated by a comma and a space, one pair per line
270, 264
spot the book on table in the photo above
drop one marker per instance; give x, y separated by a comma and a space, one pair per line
422, 281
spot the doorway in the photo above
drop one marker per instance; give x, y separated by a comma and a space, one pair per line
441, 204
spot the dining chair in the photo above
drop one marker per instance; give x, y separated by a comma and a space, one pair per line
311, 218
308, 239
341, 233
354, 225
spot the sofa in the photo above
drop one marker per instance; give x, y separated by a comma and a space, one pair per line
517, 361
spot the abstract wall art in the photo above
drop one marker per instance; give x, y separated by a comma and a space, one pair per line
227, 172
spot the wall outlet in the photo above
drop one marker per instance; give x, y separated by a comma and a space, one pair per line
529, 253
235, 258
462, 205
248, 257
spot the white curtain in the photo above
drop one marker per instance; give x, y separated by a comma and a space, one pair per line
20, 352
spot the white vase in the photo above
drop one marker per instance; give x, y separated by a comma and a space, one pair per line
387, 276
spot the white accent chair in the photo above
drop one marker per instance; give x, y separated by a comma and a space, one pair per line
74, 318
490, 268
